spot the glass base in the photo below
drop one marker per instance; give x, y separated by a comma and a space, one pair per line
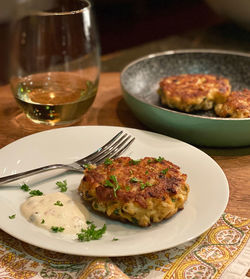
24, 122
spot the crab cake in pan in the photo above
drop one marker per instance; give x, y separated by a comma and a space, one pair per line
190, 92
237, 105
139, 191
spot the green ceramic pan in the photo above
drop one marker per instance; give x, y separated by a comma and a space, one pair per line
140, 81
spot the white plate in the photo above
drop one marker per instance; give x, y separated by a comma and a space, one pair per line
206, 202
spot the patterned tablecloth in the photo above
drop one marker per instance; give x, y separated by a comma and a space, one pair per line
221, 252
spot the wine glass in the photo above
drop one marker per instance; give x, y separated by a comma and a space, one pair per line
55, 60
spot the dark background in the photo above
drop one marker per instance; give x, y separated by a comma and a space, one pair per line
127, 23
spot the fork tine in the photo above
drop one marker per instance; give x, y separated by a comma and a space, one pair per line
119, 151
115, 152
105, 151
99, 150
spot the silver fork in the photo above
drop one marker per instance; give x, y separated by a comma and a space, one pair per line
112, 149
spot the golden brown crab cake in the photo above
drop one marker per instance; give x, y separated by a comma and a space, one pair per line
139, 191
190, 92
237, 105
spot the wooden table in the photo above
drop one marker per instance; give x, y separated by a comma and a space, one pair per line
109, 108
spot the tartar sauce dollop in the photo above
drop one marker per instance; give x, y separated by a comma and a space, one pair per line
54, 210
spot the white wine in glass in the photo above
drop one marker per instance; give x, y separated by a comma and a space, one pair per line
55, 63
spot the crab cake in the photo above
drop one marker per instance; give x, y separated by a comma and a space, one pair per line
139, 191
237, 105
190, 92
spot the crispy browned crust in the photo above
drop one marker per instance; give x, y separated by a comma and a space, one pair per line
189, 92
237, 105
143, 185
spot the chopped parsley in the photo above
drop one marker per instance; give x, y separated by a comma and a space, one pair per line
134, 180
113, 183
91, 233
59, 203
164, 171
146, 172
57, 229
35, 193
173, 199
115, 239
62, 185
12, 216
25, 187
108, 183
127, 188
159, 159
150, 161
144, 185
116, 211
87, 166
108, 162
134, 162
43, 221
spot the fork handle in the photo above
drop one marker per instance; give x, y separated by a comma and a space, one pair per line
13, 177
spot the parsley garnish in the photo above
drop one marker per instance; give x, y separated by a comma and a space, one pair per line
107, 183
87, 166
164, 171
25, 187
113, 183
59, 203
62, 185
160, 159
108, 162
43, 221
150, 161
91, 233
134, 162
57, 229
115, 239
12, 216
144, 185
127, 188
134, 180
146, 172
36, 193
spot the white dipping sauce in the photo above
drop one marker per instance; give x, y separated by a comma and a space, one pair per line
44, 212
